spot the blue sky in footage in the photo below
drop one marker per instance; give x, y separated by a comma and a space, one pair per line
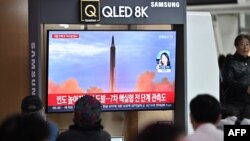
87, 58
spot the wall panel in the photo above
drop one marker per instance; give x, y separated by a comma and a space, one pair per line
13, 55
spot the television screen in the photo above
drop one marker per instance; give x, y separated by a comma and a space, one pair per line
124, 70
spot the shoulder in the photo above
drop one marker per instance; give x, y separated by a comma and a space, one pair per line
68, 135
206, 132
65, 133
206, 136
75, 135
193, 137
105, 136
231, 63
245, 121
231, 60
229, 120
53, 126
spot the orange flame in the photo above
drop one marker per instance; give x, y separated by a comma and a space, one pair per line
69, 86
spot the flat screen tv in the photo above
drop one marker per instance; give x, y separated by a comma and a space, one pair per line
124, 70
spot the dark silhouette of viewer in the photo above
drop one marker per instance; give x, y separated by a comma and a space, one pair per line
32, 104
86, 122
20, 127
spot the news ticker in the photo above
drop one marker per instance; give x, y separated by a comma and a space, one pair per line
116, 107
237, 132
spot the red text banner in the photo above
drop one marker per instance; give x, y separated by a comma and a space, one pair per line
114, 98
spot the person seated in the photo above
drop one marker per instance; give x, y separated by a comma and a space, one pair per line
86, 122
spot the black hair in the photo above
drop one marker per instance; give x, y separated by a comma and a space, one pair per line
9, 126
239, 38
168, 63
160, 132
24, 127
33, 128
205, 109
31, 103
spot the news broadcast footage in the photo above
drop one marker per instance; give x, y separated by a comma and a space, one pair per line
124, 70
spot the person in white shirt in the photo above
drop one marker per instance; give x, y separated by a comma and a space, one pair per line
228, 118
205, 114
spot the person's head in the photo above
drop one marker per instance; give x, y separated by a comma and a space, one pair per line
8, 127
33, 128
165, 59
87, 113
32, 104
204, 109
160, 132
24, 127
242, 44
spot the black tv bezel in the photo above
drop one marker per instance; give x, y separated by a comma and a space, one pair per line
47, 64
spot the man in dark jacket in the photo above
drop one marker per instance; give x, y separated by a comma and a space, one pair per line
236, 77
32, 104
87, 123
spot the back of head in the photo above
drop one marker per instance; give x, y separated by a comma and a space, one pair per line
31, 104
160, 132
205, 109
8, 127
33, 128
24, 127
87, 112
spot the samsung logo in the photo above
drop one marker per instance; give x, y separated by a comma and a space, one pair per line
165, 4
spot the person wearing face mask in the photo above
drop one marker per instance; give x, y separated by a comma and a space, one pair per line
236, 77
